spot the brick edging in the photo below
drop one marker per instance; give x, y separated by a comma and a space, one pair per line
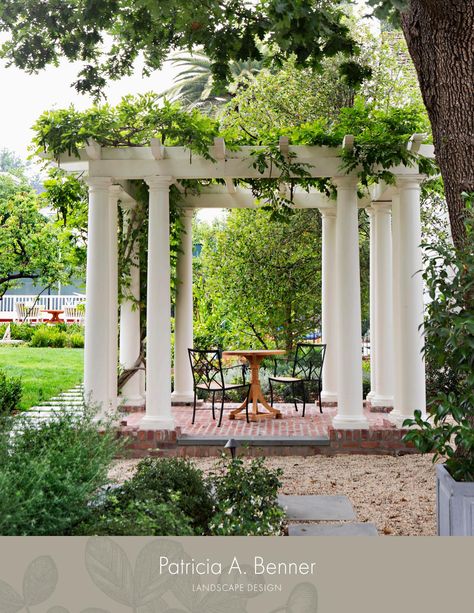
161, 443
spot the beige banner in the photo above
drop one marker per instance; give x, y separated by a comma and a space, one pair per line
235, 575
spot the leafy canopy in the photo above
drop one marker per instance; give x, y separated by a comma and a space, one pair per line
107, 36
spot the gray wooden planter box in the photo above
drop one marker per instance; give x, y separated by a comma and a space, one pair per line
455, 505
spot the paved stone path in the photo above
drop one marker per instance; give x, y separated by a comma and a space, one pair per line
325, 510
72, 401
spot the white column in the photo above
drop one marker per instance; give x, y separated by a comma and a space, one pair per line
131, 393
183, 327
397, 340
350, 413
328, 304
97, 320
409, 306
372, 311
114, 194
158, 344
384, 355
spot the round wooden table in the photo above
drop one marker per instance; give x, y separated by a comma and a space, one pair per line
55, 313
254, 357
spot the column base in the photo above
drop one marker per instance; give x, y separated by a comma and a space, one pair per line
345, 422
380, 401
328, 396
182, 397
150, 422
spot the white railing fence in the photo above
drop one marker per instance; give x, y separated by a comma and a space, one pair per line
7, 303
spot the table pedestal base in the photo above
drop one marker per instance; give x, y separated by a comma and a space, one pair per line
256, 397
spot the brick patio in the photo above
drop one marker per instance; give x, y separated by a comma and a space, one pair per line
314, 424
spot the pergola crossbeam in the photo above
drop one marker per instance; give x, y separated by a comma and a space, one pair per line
93, 150
157, 149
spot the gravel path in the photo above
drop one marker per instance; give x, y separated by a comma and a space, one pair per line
397, 494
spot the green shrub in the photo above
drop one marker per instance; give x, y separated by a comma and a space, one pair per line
136, 518
449, 354
171, 480
49, 473
49, 337
10, 393
76, 340
246, 499
19, 332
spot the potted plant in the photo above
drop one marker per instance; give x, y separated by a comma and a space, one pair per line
449, 353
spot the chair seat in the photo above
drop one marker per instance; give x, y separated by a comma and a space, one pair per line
286, 379
215, 386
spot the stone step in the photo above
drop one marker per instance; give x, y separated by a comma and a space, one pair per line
317, 508
349, 529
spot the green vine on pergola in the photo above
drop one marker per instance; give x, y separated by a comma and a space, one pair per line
380, 142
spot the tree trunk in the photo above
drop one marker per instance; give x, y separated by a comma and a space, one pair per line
440, 39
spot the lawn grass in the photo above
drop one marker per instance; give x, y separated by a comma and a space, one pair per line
45, 372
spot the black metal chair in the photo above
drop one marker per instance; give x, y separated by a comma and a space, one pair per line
208, 376
306, 371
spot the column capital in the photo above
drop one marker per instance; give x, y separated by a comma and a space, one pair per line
381, 207
187, 211
115, 191
128, 204
409, 181
96, 183
159, 183
328, 211
370, 210
346, 181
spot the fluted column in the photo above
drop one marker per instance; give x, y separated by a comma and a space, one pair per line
372, 309
97, 319
158, 348
328, 304
183, 328
409, 306
114, 194
350, 413
131, 393
384, 355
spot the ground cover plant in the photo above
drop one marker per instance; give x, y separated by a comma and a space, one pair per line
10, 393
50, 472
44, 372
172, 497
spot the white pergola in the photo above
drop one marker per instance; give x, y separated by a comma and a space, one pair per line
396, 290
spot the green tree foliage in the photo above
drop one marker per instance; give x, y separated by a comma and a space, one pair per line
196, 87
258, 282
32, 247
41, 33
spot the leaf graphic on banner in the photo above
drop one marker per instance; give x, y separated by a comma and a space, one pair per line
222, 602
10, 600
58, 610
158, 605
149, 582
109, 568
303, 599
94, 610
40, 580
182, 588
